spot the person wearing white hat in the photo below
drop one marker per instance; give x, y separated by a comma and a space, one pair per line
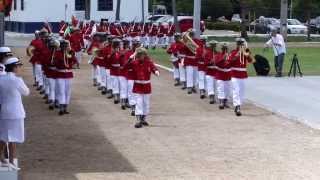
12, 113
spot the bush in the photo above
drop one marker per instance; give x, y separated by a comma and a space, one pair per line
233, 26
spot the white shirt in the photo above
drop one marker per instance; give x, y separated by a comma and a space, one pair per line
280, 48
11, 90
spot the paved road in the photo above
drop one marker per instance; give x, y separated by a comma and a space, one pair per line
297, 98
188, 139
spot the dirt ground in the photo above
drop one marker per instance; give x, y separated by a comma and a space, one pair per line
189, 139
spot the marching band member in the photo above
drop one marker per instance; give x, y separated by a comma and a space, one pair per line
87, 34
153, 36
115, 59
239, 58
142, 67
201, 70
92, 52
101, 65
30, 52
64, 60
209, 55
170, 33
107, 51
123, 74
223, 76
173, 50
162, 36
77, 44
12, 113
62, 28
130, 56
144, 35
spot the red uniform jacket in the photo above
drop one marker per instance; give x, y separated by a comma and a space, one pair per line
238, 66
114, 30
135, 31
47, 64
63, 64
162, 31
95, 44
174, 50
106, 53
99, 58
76, 42
209, 59
103, 28
223, 69
37, 44
201, 60
62, 29
128, 68
144, 30
153, 30
189, 57
142, 75
115, 63
124, 58
87, 32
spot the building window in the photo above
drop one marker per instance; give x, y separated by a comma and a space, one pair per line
80, 5
15, 4
105, 5
22, 5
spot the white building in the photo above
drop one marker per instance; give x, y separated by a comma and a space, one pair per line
29, 15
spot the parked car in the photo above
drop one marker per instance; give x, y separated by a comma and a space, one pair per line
264, 25
296, 27
153, 18
315, 25
185, 22
236, 18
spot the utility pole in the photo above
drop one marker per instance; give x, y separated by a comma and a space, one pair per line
175, 16
291, 8
283, 18
197, 17
142, 10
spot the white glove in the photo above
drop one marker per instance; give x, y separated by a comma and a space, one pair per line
157, 73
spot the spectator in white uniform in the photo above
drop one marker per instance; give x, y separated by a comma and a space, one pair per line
12, 113
279, 47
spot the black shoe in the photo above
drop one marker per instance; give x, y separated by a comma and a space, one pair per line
104, 91
110, 96
51, 107
133, 110
189, 90
194, 90
65, 109
221, 104
45, 96
144, 123
100, 88
212, 99
138, 125
123, 104
225, 103
237, 111
177, 82
202, 94
184, 85
42, 91
47, 102
116, 99
95, 82
56, 104
39, 88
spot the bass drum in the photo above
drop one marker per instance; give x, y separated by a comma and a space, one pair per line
261, 65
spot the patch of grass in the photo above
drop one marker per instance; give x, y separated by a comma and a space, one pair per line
264, 39
308, 57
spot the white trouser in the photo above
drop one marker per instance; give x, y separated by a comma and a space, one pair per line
145, 41
123, 87
39, 74
103, 76
78, 57
34, 71
46, 85
238, 88
176, 73
161, 41
64, 90
131, 95
170, 40
52, 89
96, 73
109, 79
115, 85
192, 76
223, 89
210, 80
182, 73
143, 104
202, 80
153, 41
87, 43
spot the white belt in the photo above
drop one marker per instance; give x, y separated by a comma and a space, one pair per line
52, 68
212, 67
223, 70
200, 62
239, 69
64, 70
190, 57
115, 65
142, 82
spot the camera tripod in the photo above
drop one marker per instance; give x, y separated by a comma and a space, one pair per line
295, 66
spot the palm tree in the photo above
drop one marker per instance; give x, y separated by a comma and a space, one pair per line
118, 10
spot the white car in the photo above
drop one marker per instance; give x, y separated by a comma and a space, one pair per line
296, 27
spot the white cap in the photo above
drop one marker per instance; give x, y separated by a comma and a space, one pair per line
13, 60
5, 50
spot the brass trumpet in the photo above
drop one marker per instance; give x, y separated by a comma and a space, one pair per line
188, 41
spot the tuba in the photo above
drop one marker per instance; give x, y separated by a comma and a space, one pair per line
188, 41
